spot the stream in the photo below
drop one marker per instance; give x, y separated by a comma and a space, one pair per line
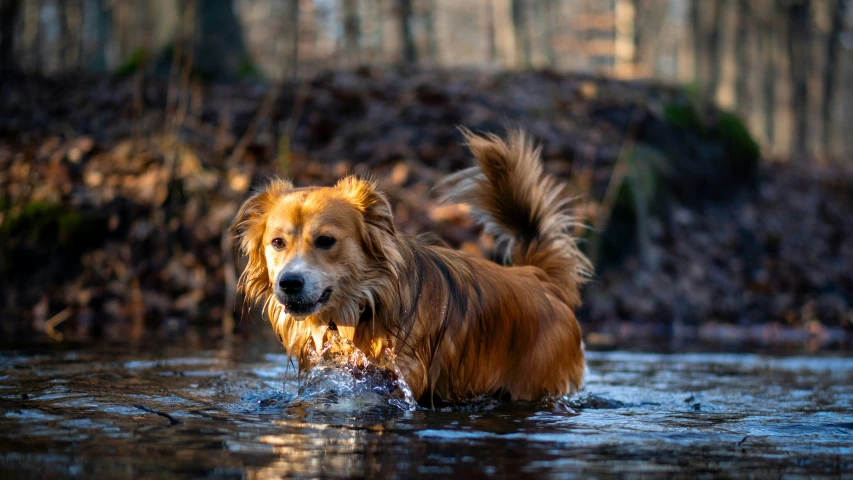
238, 413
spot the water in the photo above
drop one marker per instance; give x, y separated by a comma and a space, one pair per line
117, 413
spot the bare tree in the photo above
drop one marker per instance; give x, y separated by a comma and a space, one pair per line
103, 25
742, 50
650, 17
294, 31
697, 38
64, 43
768, 31
352, 27
429, 29
713, 47
799, 43
8, 17
492, 48
706, 44
219, 48
838, 13
706, 19
32, 35
405, 14
522, 33
625, 41
546, 15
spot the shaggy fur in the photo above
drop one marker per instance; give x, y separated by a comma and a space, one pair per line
460, 325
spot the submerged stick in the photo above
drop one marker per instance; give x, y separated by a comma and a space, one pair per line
172, 420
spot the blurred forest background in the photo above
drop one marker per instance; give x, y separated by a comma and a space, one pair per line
707, 140
782, 65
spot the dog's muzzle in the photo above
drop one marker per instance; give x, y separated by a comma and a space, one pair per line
299, 295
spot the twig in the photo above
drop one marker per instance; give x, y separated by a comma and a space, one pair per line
138, 106
227, 245
257, 121
172, 420
137, 311
50, 325
620, 171
189, 26
289, 131
584, 185
180, 67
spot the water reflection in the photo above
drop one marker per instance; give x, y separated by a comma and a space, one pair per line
324, 450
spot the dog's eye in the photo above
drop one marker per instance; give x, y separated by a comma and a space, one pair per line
277, 244
325, 242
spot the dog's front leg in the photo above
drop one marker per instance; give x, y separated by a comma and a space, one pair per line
414, 372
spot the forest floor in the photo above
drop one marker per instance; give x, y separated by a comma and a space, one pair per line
116, 195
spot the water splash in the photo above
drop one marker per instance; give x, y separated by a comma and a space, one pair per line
343, 376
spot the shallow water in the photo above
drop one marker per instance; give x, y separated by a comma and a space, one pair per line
96, 413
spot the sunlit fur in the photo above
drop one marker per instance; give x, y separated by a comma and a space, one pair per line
460, 325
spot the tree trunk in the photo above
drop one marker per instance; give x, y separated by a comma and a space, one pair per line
546, 14
81, 35
64, 44
352, 27
768, 87
219, 48
799, 43
625, 45
409, 52
492, 48
8, 18
72, 16
103, 23
698, 41
294, 35
745, 20
32, 36
706, 44
831, 60
429, 30
650, 20
713, 46
522, 35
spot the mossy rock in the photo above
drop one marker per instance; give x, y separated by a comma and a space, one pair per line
248, 70
740, 144
39, 222
741, 152
136, 62
683, 115
39, 230
711, 154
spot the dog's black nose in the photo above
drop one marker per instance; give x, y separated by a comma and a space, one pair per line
291, 283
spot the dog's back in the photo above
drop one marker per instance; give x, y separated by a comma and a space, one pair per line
504, 328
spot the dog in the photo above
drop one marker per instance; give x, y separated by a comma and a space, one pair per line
331, 258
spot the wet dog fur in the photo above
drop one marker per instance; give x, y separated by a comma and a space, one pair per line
459, 324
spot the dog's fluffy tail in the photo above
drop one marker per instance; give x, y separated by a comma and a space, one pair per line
523, 208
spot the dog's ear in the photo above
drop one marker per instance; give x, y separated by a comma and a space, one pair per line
376, 210
249, 225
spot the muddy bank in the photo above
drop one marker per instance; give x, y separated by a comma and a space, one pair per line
116, 193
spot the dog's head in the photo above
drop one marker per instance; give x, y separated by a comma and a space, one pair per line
315, 251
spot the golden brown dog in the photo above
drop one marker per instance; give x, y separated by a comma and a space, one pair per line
460, 325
